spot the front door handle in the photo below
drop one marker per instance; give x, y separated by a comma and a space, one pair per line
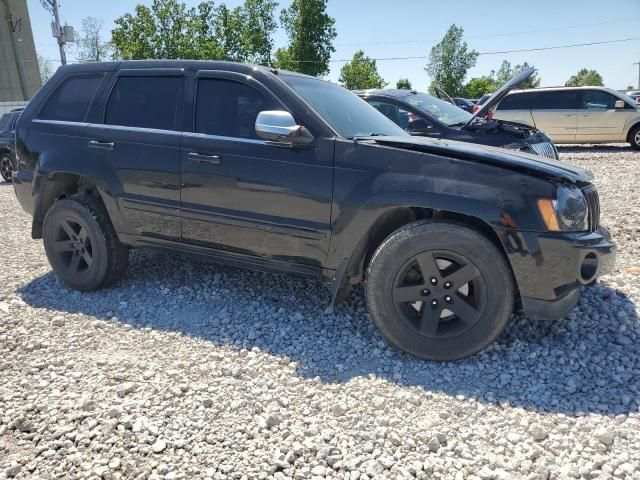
95, 144
202, 158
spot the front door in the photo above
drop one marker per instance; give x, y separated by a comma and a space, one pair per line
555, 113
598, 118
245, 195
138, 150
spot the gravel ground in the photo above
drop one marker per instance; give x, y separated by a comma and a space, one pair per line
191, 370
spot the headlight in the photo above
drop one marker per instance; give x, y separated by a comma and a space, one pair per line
568, 212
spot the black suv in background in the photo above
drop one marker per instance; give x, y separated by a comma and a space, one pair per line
7, 143
272, 170
423, 115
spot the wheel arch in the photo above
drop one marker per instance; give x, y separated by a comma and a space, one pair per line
631, 130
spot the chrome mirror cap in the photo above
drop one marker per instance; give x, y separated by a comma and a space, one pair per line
280, 126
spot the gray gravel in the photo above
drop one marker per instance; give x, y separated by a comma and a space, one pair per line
192, 370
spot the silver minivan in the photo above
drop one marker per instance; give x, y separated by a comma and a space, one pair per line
575, 114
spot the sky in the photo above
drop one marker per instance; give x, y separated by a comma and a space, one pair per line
405, 28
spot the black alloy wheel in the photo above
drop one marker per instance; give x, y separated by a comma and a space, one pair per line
440, 294
7, 167
73, 246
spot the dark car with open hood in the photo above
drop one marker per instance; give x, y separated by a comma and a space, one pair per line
271, 170
423, 115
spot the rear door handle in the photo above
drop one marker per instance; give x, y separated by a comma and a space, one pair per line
95, 144
206, 159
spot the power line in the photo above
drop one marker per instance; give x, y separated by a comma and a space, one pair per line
491, 35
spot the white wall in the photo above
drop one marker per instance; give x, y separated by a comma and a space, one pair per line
6, 106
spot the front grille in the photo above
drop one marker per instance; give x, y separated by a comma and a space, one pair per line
591, 194
545, 149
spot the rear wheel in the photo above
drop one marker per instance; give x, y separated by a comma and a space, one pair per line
81, 244
7, 166
440, 291
634, 137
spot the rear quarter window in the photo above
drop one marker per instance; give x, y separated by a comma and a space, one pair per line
71, 99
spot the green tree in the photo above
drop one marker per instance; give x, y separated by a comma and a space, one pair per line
506, 72
90, 46
168, 29
585, 78
46, 68
361, 73
311, 33
403, 84
478, 86
449, 62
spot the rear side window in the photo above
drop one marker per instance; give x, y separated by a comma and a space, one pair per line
145, 102
515, 101
229, 109
558, 100
70, 101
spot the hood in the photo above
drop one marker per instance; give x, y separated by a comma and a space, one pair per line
515, 160
502, 92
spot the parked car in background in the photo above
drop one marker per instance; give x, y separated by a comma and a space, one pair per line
274, 170
634, 94
575, 114
463, 103
7, 143
480, 101
423, 115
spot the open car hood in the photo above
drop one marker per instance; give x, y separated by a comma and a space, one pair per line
524, 162
502, 92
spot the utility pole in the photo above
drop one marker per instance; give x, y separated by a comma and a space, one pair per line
638, 63
61, 34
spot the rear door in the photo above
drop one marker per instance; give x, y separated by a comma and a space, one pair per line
246, 195
137, 150
555, 112
598, 119
515, 107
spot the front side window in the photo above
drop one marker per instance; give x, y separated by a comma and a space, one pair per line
229, 109
394, 113
597, 100
555, 100
344, 111
145, 102
70, 101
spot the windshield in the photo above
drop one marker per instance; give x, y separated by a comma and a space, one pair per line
446, 113
343, 110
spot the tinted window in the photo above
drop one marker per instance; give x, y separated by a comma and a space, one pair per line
560, 100
144, 101
397, 115
71, 99
229, 109
597, 99
515, 101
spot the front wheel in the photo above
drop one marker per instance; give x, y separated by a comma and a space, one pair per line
7, 166
438, 290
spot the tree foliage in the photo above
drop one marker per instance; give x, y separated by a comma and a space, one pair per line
449, 62
90, 46
478, 86
403, 84
311, 32
168, 29
506, 73
361, 73
585, 78
46, 68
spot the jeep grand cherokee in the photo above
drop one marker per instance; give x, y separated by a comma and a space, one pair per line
278, 171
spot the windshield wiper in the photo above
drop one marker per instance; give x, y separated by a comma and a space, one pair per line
359, 137
458, 124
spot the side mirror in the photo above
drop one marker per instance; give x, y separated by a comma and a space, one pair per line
619, 104
420, 125
279, 126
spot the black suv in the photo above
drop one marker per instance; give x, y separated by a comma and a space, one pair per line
7, 143
278, 171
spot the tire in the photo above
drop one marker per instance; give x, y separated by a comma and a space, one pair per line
81, 244
467, 315
7, 166
634, 137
